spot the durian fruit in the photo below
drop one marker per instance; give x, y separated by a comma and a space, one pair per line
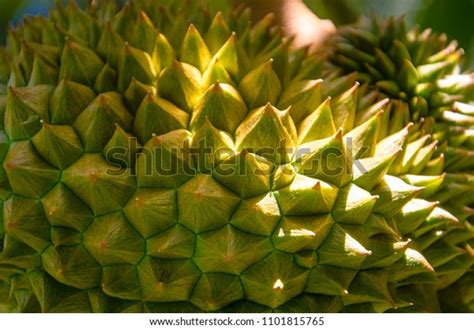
157, 160
420, 71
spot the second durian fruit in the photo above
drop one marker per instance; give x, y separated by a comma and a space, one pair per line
421, 72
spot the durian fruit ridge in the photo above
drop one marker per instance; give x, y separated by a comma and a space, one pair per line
155, 159
421, 72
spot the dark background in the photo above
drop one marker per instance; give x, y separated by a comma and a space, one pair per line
455, 17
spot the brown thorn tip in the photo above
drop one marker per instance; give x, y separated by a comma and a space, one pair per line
216, 87
244, 152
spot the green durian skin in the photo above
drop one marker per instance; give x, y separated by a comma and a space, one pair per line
112, 202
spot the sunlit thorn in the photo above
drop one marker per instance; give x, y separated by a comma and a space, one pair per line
281, 233
278, 285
